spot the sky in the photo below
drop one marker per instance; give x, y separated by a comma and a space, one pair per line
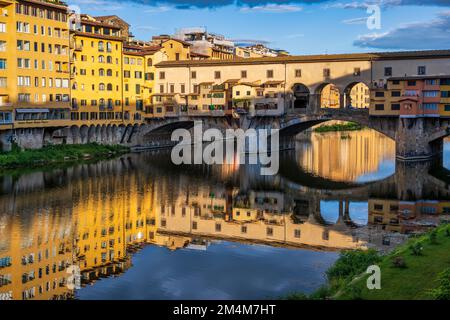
298, 26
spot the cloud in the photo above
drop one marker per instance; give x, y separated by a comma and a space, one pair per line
273, 8
361, 20
433, 34
363, 5
158, 9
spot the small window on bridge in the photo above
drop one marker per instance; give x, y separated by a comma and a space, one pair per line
357, 72
379, 107
395, 106
388, 71
395, 93
379, 94
422, 70
447, 107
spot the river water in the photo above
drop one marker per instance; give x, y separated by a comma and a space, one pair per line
139, 227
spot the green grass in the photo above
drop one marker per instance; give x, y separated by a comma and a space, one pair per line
57, 154
416, 270
419, 275
348, 126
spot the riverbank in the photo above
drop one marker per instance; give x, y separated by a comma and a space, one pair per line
416, 270
55, 154
348, 126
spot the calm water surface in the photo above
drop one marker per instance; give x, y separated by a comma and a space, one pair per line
139, 227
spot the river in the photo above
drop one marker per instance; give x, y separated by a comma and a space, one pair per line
139, 227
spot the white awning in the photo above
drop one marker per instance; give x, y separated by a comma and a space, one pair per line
32, 110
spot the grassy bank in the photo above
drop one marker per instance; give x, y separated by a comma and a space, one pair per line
57, 154
419, 269
348, 126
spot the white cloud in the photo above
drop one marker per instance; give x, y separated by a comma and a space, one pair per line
432, 34
361, 20
158, 9
273, 8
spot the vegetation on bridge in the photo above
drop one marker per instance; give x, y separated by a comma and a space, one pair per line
347, 126
53, 154
418, 269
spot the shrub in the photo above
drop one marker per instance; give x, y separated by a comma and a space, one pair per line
352, 263
416, 248
399, 262
433, 237
442, 292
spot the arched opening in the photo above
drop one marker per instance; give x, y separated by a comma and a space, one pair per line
301, 96
149, 62
329, 96
356, 95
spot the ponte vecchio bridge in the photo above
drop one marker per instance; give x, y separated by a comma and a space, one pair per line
285, 93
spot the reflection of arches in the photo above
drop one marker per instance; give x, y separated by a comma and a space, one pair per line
301, 95
356, 95
328, 96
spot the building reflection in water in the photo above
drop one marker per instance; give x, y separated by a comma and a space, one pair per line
93, 217
345, 156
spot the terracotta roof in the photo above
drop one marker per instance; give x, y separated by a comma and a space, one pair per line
57, 5
103, 18
232, 81
273, 82
99, 36
314, 58
197, 54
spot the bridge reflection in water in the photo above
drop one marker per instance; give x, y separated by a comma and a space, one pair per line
95, 217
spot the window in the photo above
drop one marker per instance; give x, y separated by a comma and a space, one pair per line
298, 73
2, 27
445, 82
326, 73
243, 74
218, 227
357, 72
3, 82
395, 94
444, 94
194, 74
431, 82
269, 73
395, 106
447, 107
421, 70
379, 107
162, 75
431, 94
269, 231
149, 62
388, 71
126, 74
430, 106
297, 233
243, 229
379, 94
2, 63
138, 89
182, 88
216, 74
411, 83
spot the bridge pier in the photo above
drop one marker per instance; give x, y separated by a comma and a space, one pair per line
414, 139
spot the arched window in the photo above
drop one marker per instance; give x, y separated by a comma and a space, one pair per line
100, 46
101, 72
109, 73
101, 87
149, 62
109, 59
101, 59
108, 46
74, 86
109, 87
102, 102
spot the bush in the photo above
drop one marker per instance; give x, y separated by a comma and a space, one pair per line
433, 236
442, 292
399, 262
416, 249
352, 263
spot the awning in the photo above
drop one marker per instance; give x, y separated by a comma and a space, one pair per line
32, 110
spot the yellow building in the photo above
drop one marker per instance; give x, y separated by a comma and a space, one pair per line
97, 73
330, 97
360, 96
175, 49
34, 64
